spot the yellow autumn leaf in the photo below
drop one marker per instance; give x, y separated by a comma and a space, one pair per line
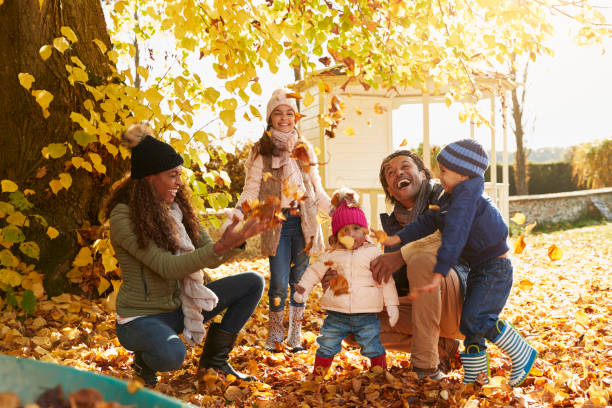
100, 44
61, 44
69, 34
349, 131
346, 240
52, 232
404, 143
525, 284
26, 80
65, 180
530, 227
103, 285
55, 185
518, 218
143, 72
83, 258
43, 98
554, 253
109, 262
582, 318
8, 186
10, 277
308, 99
519, 244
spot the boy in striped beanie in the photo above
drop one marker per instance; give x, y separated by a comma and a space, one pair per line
474, 231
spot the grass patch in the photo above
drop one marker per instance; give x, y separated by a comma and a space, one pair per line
546, 227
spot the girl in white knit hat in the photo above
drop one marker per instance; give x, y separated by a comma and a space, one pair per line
282, 165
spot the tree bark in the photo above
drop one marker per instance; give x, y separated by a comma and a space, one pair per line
24, 28
521, 175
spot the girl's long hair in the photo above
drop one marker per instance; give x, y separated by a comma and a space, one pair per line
150, 217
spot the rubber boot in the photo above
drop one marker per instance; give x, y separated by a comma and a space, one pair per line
322, 365
142, 370
216, 350
294, 336
379, 361
276, 331
521, 353
474, 364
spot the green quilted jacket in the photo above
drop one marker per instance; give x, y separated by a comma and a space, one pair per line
151, 275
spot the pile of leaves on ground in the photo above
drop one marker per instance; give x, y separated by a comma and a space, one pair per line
562, 306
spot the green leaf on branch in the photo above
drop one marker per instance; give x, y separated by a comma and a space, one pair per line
83, 138
12, 234
30, 248
56, 150
28, 301
19, 200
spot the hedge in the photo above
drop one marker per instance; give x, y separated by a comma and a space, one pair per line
544, 178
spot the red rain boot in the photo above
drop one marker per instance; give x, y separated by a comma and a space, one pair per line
322, 365
379, 361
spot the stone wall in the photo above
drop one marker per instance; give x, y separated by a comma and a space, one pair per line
557, 207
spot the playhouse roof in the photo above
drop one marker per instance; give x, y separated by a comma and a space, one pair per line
487, 83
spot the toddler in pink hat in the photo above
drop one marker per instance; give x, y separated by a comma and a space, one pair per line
354, 299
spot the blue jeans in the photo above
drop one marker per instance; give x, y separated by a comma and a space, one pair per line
289, 263
488, 287
156, 336
364, 326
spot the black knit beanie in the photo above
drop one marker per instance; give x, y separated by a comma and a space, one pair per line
152, 156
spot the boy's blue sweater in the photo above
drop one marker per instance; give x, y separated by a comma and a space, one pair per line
472, 228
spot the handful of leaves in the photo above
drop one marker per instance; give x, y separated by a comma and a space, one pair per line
269, 209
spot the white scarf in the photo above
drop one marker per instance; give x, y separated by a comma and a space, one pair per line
195, 296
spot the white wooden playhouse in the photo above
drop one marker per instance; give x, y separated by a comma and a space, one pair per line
353, 160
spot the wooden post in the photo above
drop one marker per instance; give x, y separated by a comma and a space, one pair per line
426, 148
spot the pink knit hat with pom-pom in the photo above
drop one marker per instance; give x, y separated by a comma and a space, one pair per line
345, 215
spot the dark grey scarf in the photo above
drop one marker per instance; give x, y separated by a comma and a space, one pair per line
405, 216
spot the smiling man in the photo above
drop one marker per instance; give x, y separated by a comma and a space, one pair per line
428, 326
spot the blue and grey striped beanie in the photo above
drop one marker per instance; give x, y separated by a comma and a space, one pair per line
465, 157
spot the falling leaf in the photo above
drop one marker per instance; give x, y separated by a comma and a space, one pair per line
294, 95
378, 109
434, 207
554, 253
300, 153
380, 235
308, 99
530, 228
404, 143
518, 218
519, 244
349, 131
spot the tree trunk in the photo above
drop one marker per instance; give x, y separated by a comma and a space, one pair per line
521, 176
24, 28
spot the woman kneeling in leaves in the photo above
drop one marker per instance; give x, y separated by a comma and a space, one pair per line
161, 248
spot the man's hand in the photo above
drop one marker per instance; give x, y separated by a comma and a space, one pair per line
326, 280
384, 265
435, 282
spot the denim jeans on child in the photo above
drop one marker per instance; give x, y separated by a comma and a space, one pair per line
156, 336
289, 263
488, 287
364, 326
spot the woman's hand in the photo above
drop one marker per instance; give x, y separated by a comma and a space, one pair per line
236, 234
385, 265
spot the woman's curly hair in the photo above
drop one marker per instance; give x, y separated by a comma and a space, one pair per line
148, 213
150, 216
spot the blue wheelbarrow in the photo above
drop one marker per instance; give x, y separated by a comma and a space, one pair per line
30, 378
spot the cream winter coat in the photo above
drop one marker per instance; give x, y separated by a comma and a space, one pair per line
365, 295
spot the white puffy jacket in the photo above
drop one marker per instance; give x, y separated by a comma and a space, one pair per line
365, 295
